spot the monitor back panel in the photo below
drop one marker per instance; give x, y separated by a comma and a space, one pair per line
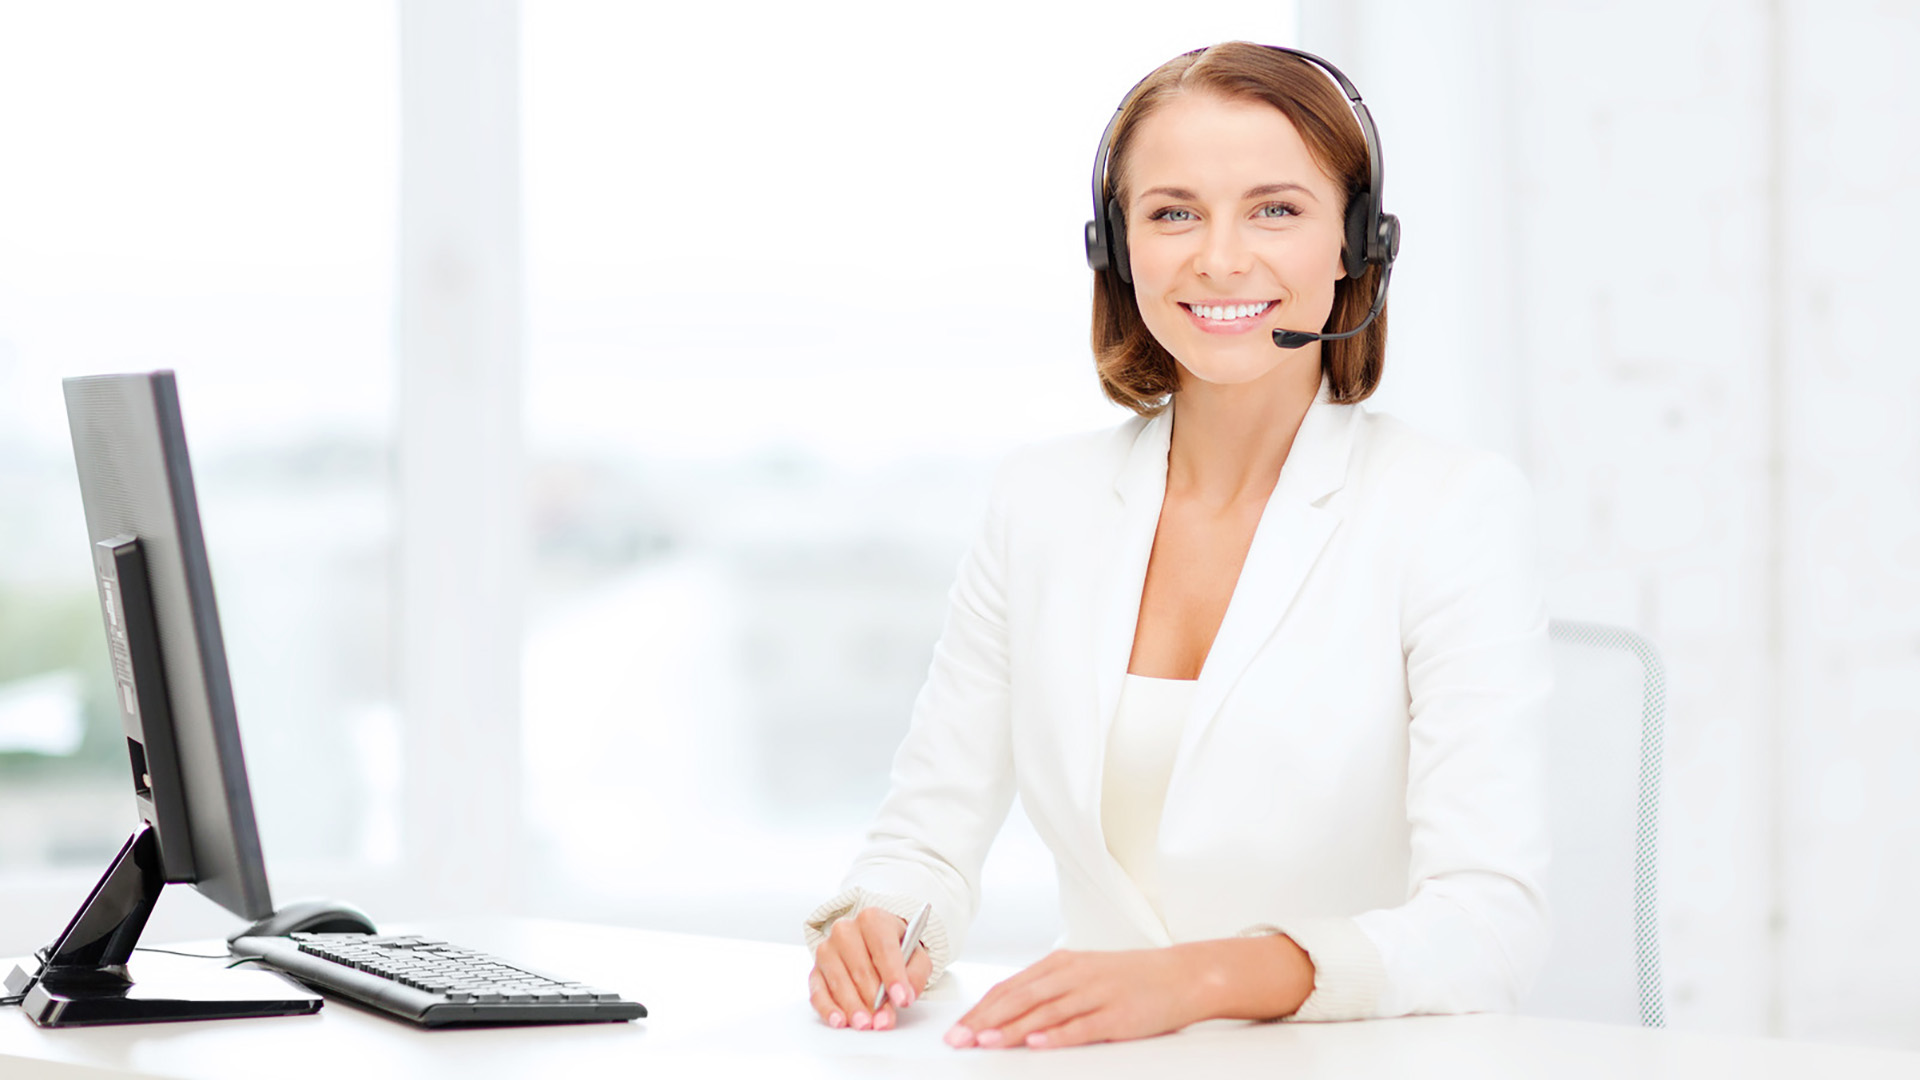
131, 452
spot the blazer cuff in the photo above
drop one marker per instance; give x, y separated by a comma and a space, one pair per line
855, 899
1348, 972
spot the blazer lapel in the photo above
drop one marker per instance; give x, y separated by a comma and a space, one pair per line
1142, 487
1293, 529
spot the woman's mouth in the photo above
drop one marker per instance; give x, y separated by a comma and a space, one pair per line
1228, 317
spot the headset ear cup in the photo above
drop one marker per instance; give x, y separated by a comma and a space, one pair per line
1389, 239
1354, 254
1096, 247
1117, 258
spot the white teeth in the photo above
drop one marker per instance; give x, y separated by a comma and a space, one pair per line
1228, 311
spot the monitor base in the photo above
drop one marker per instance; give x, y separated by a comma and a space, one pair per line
95, 997
82, 978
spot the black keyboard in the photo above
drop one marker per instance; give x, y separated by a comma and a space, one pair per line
433, 983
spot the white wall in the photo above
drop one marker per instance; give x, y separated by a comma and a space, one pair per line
1849, 98
1682, 226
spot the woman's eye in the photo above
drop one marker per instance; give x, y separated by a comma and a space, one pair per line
1277, 210
1172, 213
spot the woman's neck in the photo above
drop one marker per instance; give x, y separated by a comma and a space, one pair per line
1229, 442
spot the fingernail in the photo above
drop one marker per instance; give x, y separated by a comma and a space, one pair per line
959, 1035
899, 994
1036, 1039
882, 1021
989, 1037
836, 1020
861, 1021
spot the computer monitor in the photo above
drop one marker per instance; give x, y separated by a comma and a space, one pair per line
176, 706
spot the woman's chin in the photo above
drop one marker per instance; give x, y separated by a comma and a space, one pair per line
1227, 371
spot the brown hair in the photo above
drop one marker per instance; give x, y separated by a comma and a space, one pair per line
1135, 370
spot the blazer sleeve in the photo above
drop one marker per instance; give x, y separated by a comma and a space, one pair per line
1479, 672
952, 780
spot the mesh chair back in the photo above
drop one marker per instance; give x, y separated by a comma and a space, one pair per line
1605, 729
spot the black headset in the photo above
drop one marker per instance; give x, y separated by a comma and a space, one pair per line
1372, 235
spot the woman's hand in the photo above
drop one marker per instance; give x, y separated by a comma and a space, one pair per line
1071, 998
862, 951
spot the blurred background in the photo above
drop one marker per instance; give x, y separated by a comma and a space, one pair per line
745, 302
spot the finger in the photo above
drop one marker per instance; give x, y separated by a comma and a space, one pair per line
1043, 1017
853, 952
919, 970
1053, 963
991, 1009
1011, 1000
883, 945
1086, 1028
822, 1001
840, 988
846, 995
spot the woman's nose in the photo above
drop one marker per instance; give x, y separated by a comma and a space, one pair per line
1223, 253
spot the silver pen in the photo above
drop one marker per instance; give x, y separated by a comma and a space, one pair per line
908, 943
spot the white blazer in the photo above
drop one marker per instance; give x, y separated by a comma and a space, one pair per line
1360, 770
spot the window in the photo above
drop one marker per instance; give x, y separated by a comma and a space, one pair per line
798, 277
207, 187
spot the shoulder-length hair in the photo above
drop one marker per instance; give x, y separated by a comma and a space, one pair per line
1135, 370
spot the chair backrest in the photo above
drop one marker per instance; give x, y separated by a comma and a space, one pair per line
1604, 737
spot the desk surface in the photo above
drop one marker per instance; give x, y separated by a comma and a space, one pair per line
725, 1008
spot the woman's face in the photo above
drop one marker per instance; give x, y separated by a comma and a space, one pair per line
1228, 210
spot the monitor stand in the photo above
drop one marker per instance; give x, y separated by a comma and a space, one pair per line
82, 978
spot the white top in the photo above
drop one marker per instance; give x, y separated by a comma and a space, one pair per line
1133, 788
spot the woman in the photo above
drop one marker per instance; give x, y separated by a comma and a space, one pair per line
1263, 667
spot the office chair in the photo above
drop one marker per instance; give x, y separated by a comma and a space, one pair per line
1605, 729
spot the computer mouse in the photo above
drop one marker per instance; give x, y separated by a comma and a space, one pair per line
312, 917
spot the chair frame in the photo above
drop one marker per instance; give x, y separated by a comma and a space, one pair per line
1646, 859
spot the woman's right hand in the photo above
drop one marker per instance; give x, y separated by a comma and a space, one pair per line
861, 952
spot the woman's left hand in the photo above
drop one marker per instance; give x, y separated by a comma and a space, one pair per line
1071, 998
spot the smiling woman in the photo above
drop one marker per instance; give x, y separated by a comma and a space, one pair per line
1264, 668
1293, 204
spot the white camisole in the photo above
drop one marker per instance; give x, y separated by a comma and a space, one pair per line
1140, 750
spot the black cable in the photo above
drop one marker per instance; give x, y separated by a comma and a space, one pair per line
18, 998
245, 960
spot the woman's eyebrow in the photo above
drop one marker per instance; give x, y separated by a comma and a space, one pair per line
1260, 192
1265, 190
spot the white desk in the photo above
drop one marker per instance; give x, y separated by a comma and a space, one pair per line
738, 1008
